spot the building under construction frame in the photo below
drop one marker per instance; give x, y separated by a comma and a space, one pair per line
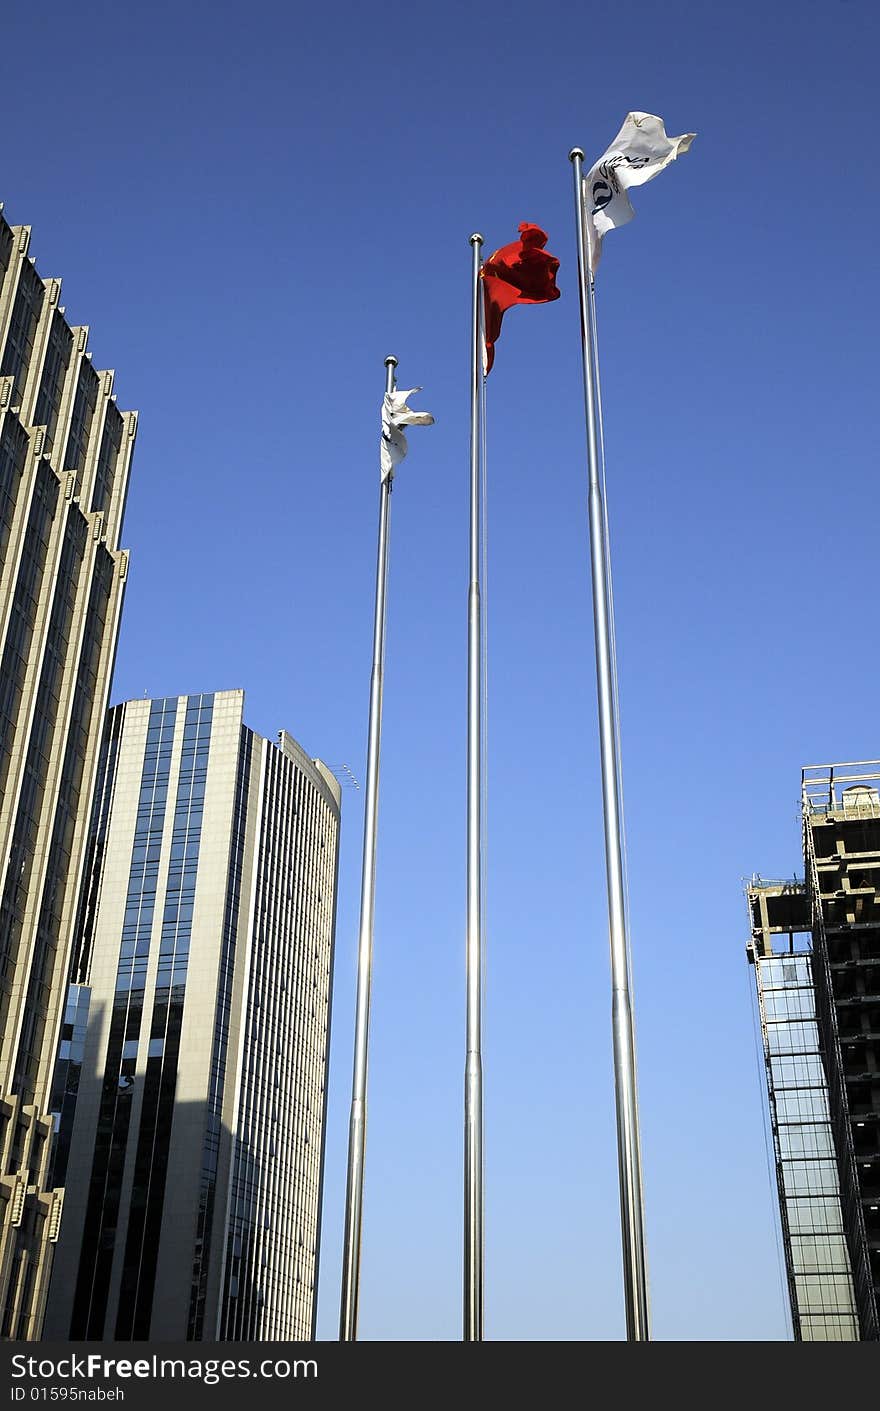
815, 948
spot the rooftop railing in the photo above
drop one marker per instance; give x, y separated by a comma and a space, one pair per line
850, 789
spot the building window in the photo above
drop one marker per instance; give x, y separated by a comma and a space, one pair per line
22, 330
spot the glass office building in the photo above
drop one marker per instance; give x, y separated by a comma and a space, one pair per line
65, 454
192, 1109
817, 1260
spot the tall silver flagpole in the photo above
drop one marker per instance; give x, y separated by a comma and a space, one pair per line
473, 1073
628, 1147
357, 1127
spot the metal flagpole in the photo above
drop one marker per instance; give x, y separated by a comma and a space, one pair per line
357, 1127
628, 1147
473, 1074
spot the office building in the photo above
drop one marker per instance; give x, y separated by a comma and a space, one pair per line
65, 453
815, 948
195, 1057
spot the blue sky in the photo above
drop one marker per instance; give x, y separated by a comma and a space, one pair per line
251, 206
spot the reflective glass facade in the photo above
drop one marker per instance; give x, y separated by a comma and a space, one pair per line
65, 1086
271, 1260
817, 1258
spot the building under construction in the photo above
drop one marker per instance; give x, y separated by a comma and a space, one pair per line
815, 948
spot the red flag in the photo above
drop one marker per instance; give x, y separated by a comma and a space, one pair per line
520, 273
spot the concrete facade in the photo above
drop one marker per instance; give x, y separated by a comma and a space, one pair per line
194, 1175
65, 453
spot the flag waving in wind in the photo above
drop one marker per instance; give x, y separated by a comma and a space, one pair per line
395, 416
640, 150
520, 273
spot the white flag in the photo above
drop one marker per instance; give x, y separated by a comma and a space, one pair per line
395, 416
640, 150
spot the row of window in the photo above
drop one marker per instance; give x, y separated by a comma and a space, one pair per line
780, 972
278, 1299
104, 1198
59, 855
140, 1256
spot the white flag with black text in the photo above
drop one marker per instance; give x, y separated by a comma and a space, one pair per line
395, 416
640, 150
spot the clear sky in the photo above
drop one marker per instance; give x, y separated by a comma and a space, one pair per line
251, 205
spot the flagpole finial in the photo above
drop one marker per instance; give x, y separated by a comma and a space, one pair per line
391, 360
476, 238
576, 152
